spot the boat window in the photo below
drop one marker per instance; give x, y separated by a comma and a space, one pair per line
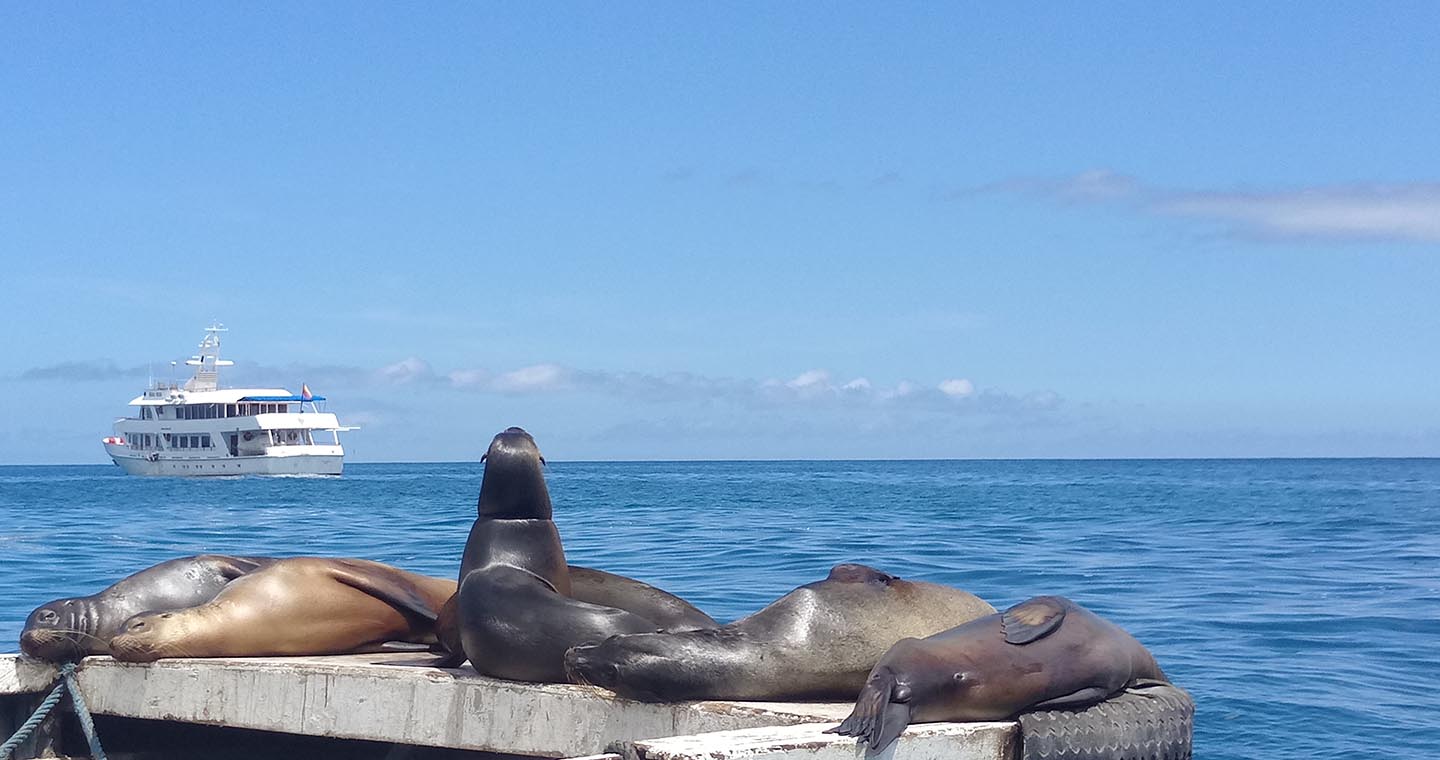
205, 441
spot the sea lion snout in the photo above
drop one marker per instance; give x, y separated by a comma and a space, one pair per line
581, 667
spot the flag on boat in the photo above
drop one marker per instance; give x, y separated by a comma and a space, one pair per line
305, 394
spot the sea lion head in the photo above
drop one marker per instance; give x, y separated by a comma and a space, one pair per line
654, 667
151, 635
513, 487
60, 631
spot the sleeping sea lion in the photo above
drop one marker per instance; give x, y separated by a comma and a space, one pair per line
69, 629
1042, 653
816, 642
296, 606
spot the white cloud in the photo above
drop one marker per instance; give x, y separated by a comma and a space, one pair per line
539, 377
1380, 212
957, 387
406, 371
811, 379
1376, 212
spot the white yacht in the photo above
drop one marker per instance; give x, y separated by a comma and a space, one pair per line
202, 429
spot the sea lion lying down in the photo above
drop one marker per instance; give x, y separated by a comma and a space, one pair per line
816, 642
71, 628
1043, 653
297, 606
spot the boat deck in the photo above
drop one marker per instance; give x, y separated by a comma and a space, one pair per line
394, 698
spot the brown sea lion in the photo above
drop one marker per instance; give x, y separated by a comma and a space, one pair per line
517, 609
296, 606
1042, 653
69, 629
816, 642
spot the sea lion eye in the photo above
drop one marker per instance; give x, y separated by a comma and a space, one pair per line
48, 616
958, 677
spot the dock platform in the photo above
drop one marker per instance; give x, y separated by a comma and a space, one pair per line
398, 699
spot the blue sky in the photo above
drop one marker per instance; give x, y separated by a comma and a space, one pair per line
745, 231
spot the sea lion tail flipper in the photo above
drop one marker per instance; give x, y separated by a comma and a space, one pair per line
392, 590
881, 712
1033, 619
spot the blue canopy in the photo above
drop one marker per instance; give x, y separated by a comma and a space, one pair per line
282, 398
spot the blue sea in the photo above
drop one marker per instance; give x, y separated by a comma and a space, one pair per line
1297, 600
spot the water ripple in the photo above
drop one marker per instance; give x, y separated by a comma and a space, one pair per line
1299, 601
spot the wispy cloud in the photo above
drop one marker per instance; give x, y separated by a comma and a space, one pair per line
1399, 212
81, 371
1362, 212
813, 387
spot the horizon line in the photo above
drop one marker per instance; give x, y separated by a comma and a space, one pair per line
853, 459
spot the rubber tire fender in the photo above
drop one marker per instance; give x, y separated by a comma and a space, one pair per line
1144, 723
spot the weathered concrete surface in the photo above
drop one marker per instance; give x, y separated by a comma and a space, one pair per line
372, 697
22, 675
931, 741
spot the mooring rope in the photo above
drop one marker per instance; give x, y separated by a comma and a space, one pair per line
87, 724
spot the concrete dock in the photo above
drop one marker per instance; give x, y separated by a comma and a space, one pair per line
390, 698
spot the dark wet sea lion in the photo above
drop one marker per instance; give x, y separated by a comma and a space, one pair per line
816, 642
296, 606
68, 629
515, 625
661, 607
519, 605
513, 524
597, 587
1042, 653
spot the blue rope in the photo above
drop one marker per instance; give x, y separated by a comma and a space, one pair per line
87, 724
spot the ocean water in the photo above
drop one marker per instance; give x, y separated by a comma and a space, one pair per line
1297, 600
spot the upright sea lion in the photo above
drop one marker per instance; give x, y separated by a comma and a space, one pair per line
516, 610
1042, 653
816, 642
296, 606
68, 629
513, 524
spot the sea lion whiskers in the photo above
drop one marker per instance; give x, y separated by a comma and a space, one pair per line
52, 634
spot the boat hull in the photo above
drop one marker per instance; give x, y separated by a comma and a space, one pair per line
288, 464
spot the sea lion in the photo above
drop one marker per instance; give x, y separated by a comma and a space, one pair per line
1042, 653
816, 642
516, 611
69, 629
296, 606
667, 611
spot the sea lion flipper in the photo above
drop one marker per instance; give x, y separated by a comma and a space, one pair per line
881, 712
393, 591
1088, 696
1033, 619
